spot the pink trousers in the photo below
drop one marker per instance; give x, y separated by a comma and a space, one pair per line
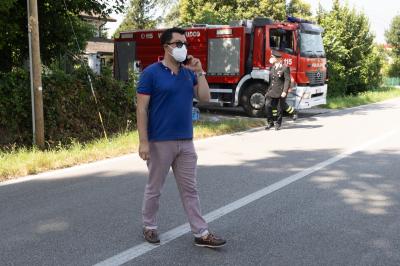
182, 157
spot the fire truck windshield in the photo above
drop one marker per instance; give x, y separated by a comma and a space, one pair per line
311, 44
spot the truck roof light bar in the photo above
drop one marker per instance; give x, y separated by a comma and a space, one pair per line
207, 26
126, 35
299, 20
224, 32
248, 23
312, 28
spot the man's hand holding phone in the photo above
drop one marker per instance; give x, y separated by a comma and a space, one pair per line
193, 64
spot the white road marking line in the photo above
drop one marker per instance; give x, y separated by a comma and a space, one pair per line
167, 237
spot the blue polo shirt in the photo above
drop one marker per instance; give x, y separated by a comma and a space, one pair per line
171, 102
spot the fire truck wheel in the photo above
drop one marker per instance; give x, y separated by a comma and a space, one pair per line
253, 99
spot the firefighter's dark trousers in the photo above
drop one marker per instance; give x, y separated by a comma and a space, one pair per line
286, 107
274, 110
275, 107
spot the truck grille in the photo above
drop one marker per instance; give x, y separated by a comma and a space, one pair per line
316, 78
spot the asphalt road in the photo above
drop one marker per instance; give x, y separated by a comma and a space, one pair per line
321, 191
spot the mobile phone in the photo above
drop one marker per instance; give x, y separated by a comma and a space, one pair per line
186, 61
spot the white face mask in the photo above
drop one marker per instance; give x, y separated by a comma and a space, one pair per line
179, 54
272, 60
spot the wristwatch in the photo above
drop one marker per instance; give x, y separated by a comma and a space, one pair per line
199, 74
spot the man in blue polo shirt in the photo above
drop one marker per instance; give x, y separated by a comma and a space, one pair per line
164, 119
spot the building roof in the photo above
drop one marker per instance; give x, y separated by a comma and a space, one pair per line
100, 45
96, 17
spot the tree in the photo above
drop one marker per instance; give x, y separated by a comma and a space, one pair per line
275, 9
139, 15
394, 68
173, 17
56, 35
321, 12
298, 8
221, 12
393, 38
187, 12
353, 60
393, 35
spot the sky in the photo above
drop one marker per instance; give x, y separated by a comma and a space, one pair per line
379, 12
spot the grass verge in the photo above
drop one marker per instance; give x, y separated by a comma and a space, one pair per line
23, 162
362, 98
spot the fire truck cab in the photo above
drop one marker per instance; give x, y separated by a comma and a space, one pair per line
236, 59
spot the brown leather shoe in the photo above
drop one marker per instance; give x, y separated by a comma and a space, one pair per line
151, 236
210, 241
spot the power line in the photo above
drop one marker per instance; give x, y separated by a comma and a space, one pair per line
87, 72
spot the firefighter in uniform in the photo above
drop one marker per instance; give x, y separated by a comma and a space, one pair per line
279, 83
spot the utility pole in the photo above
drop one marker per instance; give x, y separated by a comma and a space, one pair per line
36, 71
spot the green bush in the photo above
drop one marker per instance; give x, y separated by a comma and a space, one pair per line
70, 111
15, 107
394, 68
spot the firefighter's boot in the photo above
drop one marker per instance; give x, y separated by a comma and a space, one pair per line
270, 124
294, 116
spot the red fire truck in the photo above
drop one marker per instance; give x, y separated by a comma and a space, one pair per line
236, 59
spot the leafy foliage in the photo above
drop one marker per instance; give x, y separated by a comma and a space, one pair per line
56, 34
393, 35
139, 15
173, 17
70, 112
188, 12
353, 60
298, 8
221, 12
393, 38
394, 68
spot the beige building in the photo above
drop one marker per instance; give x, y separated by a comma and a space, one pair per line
99, 50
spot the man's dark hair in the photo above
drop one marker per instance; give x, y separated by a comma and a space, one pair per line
166, 36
